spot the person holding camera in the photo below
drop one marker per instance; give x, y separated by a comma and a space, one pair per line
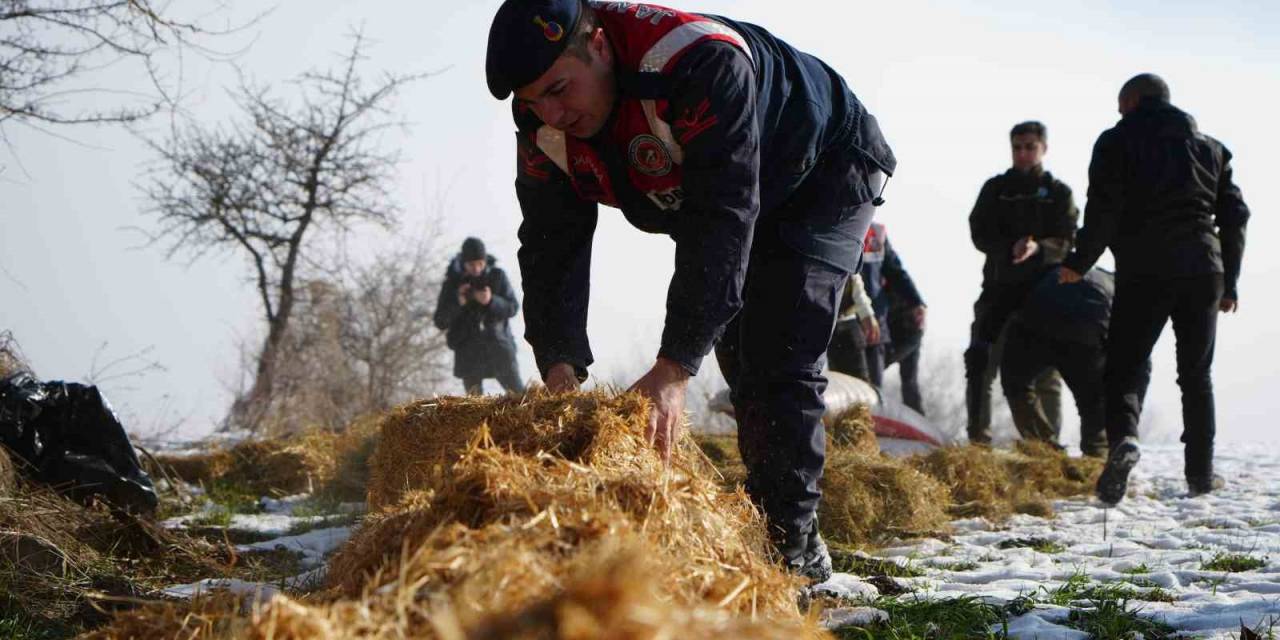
475, 306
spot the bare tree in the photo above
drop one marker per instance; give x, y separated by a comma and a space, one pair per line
360, 342
47, 47
265, 186
387, 326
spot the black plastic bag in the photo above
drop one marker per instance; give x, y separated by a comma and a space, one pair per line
70, 439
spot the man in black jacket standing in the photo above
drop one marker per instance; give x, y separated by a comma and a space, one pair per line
1024, 221
475, 305
1162, 199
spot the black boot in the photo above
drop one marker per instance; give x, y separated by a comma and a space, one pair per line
1114, 480
814, 563
1200, 485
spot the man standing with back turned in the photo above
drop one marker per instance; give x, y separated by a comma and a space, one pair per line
755, 158
1158, 187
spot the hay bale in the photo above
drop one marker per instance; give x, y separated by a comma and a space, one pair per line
867, 498
979, 484
421, 440
854, 430
284, 466
216, 615
534, 487
993, 483
620, 599
202, 468
353, 448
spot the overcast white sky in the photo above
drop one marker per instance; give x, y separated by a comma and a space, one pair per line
946, 80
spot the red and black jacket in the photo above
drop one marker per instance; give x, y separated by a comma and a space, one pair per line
717, 124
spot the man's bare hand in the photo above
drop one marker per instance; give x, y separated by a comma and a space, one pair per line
463, 290
561, 377
1229, 305
871, 329
484, 296
1067, 276
1024, 249
665, 385
918, 316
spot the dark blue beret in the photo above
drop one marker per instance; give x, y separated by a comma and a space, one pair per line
526, 38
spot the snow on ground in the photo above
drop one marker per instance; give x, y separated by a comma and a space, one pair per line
1156, 536
312, 546
279, 516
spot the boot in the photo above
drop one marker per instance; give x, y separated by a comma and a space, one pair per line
1114, 480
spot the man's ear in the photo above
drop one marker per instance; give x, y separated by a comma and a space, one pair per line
599, 45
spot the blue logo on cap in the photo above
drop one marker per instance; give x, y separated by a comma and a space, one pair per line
550, 30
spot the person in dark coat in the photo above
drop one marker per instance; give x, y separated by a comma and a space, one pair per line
1024, 221
474, 309
759, 162
1161, 197
906, 318
856, 326
1062, 328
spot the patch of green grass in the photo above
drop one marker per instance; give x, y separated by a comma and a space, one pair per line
15, 626
1043, 545
19, 619
1078, 587
234, 498
1210, 523
219, 516
1233, 562
1116, 619
847, 561
1138, 570
963, 565
918, 619
337, 520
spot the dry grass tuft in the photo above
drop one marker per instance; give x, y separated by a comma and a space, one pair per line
854, 430
8, 473
61, 557
216, 615
871, 498
11, 358
533, 487
994, 484
322, 462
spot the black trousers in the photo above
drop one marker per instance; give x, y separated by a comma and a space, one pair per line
772, 358
991, 313
508, 376
904, 351
1138, 315
1028, 356
850, 354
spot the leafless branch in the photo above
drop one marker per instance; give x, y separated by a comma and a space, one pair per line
265, 186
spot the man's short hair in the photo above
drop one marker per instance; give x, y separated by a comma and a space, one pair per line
1145, 85
587, 25
1032, 127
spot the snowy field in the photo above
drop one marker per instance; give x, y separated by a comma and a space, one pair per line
1156, 538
